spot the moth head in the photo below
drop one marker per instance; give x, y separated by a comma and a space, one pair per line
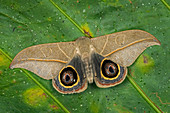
109, 69
68, 77
82, 40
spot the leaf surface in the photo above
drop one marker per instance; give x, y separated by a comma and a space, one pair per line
27, 23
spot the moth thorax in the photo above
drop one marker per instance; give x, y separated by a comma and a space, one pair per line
88, 69
85, 55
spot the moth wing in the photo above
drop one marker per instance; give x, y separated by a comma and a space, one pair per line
80, 84
124, 47
100, 77
45, 60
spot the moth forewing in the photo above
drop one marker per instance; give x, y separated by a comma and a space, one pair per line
45, 60
124, 47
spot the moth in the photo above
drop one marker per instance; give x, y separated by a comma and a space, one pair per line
72, 65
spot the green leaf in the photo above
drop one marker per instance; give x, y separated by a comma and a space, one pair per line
27, 23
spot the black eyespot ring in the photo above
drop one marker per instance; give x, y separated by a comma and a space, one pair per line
109, 69
68, 76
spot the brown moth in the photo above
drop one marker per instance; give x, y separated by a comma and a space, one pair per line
72, 65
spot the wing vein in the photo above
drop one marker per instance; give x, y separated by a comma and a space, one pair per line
127, 46
46, 60
63, 52
104, 45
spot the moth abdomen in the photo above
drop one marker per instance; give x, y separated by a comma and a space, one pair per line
88, 69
